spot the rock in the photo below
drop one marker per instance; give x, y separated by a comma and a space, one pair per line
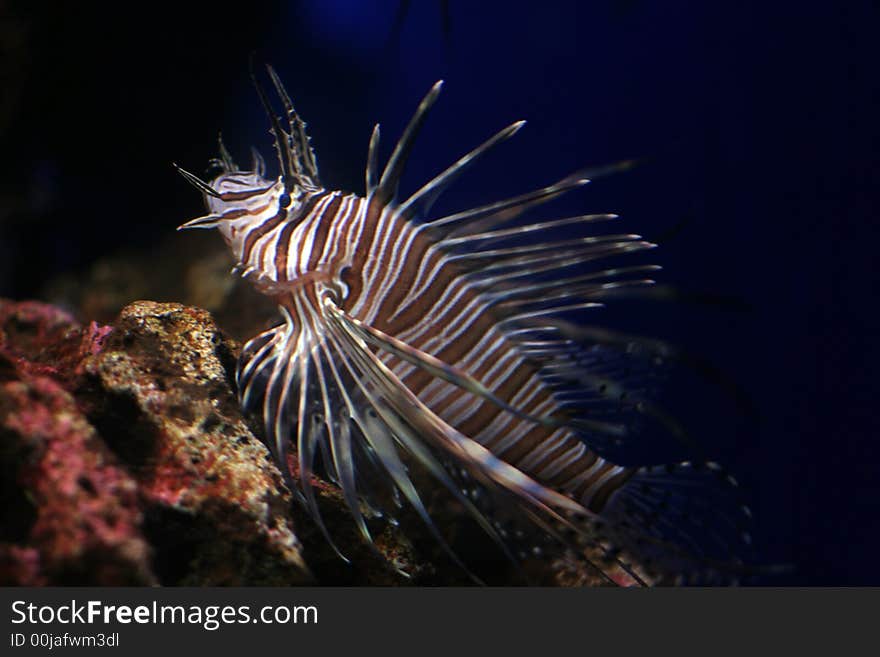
216, 510
40, 339
70, 515
126, 460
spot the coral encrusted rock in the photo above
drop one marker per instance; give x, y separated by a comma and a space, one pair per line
69, 513
125, 459
216, 511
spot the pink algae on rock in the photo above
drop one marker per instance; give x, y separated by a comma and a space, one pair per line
160, 394
70, 515
125, 459
117, 464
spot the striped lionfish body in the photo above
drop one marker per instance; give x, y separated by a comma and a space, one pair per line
445, 342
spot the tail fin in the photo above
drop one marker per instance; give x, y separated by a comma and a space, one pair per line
685, 522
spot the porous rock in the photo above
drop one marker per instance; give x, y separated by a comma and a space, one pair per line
125, 459
69, 513
215, 508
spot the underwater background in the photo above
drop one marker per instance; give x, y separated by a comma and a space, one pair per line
754, 124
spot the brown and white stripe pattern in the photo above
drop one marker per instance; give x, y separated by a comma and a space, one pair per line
324, 233
438, 337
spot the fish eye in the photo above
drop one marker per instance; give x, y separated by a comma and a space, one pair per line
284, 200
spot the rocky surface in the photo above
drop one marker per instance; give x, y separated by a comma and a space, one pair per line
70, 514
125, 459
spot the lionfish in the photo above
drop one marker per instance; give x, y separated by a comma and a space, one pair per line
446, 343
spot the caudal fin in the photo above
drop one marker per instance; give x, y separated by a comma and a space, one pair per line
685, 523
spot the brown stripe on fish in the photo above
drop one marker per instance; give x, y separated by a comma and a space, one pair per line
325, 222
